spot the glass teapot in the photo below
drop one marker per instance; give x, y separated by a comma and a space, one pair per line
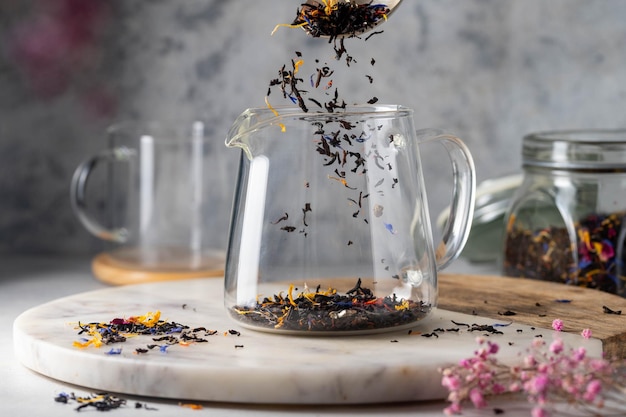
330, 232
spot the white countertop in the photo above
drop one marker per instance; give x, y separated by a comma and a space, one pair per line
29, 282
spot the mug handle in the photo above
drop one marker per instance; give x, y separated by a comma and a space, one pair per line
457, 227
77, 193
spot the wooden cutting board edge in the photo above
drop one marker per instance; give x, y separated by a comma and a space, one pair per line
537, 303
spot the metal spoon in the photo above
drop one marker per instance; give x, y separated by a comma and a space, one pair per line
332, 5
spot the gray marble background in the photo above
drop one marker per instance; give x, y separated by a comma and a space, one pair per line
488, 70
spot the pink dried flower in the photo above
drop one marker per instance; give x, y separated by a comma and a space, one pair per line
556, 346
452, 409
530, 361
538, 384
546, 374
557, 324
477, 398
537, 342
586, 333
498, 388
594, 387
579, 354
599, 365
451, 382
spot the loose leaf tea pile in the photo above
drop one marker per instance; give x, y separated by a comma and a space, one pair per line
337, 21
319, 311
101, 402
549, 253
334, 19
162, 333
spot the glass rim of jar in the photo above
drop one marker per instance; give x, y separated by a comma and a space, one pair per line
581, 149
355, 110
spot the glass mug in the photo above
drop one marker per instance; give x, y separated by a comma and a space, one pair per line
163, 199
330, 232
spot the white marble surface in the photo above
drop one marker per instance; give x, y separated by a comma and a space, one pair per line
266, 368
28, 283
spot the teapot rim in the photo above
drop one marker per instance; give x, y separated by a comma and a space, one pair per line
263, 117
350, 110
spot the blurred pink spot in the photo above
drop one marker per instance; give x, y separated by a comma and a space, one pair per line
50, 47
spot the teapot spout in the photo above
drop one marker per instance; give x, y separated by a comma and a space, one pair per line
242, 132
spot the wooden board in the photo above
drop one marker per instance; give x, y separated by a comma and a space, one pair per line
538, 303
107, 270
534, 302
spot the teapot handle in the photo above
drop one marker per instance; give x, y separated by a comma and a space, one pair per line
78, 192
457, 227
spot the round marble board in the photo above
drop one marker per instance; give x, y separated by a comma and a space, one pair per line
252, 367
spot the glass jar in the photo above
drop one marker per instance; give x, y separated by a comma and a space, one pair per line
565, 222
